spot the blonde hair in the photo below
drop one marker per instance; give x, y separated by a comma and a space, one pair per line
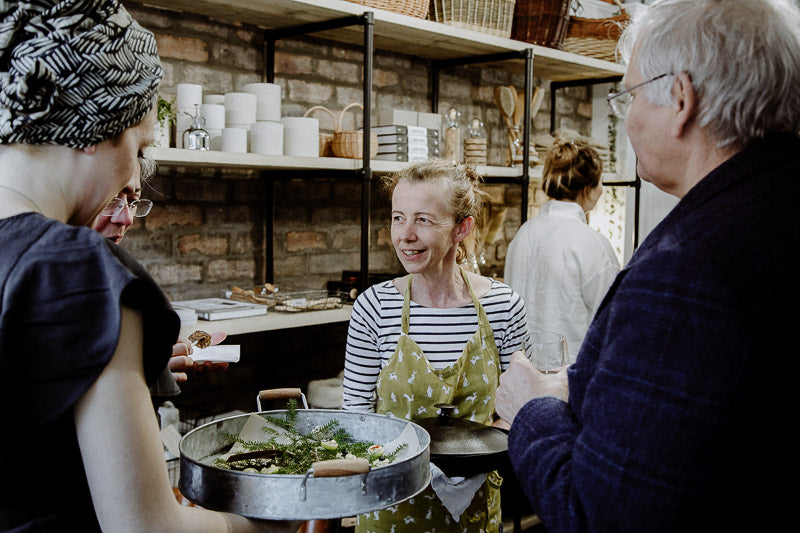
463, 194
569, 168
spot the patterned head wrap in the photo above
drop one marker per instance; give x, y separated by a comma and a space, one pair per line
73, 72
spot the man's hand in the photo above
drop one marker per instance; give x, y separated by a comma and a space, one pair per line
522, 382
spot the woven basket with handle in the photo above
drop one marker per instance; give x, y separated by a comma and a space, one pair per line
542, 22
412, 8
596, 37
487, 16
325, 139
350, 143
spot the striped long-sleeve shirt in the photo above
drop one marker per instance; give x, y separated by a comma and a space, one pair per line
375, 327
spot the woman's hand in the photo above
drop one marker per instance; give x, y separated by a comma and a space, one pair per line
522, 382
181, 360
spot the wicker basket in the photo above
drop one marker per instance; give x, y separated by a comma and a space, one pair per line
325, 139
596, 37
412, 8
542, 22
487, 16
350, 143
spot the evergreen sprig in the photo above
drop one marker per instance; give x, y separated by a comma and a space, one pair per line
296, 452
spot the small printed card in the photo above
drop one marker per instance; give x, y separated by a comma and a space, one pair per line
223, 353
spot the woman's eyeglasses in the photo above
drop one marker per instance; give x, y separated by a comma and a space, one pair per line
621, 102
139, 208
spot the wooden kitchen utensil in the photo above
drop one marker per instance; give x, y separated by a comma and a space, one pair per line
536, 100
519, 108
536, 103
506, 99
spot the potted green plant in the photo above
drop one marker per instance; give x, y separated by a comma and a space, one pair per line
165, 118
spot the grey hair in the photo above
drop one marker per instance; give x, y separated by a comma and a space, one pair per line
743, 57
147, 166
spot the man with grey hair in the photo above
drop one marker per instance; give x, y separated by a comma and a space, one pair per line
679, 411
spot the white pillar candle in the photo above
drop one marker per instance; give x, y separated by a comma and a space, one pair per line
234, 140
240, 108
214, 115
268, 100
266, 138
300, 136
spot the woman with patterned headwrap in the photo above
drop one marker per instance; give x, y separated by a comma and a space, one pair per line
81, 335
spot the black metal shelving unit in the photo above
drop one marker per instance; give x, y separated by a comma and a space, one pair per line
332, 21
364, 174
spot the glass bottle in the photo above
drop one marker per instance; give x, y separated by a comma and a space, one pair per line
452, 136
475, 143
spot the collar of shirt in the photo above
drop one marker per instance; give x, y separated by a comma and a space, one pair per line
560, 208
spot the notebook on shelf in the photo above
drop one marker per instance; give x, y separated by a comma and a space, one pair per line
221, 308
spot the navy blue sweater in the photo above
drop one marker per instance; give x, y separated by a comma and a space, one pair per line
683, 400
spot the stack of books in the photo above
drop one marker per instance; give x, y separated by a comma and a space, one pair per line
406, 143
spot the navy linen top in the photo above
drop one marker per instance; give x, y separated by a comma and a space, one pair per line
683, 401
60, 293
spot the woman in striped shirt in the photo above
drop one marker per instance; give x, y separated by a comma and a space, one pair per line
443, 339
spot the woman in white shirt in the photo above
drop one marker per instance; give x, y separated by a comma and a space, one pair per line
559, 265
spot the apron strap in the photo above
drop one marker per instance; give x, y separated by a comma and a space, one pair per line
404, 321
483, 320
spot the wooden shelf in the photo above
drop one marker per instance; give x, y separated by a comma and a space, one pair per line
271, 321
397, 33
177, 157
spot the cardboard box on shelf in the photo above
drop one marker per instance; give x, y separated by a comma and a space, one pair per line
399, 117
431, 121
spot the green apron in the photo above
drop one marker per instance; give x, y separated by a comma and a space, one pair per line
409, 387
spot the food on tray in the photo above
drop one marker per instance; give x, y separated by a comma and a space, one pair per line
201, 339
256, 295
284, 450
294, 302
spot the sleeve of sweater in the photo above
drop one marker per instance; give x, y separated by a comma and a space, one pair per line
362, 362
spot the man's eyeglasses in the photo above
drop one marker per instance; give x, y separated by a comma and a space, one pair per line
621, 102
139, 208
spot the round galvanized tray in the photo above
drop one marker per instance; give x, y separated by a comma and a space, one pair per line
302, 497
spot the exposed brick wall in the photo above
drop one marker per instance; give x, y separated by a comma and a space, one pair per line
207, 229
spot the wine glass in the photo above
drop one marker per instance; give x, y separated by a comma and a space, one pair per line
548, 351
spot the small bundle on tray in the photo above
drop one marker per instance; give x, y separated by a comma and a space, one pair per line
289, 302
257, 295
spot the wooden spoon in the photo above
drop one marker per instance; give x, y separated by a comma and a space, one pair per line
536, 100
519, 109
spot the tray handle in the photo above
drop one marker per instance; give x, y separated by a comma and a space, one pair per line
336, 468
340, 467
279, 394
